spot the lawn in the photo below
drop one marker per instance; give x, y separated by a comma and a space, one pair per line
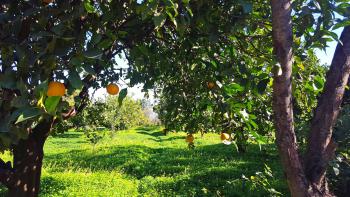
144, 162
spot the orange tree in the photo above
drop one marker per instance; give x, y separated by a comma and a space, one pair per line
313, 25
75, 42
239, 103
71, 45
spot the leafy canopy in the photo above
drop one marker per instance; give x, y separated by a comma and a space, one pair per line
76, 42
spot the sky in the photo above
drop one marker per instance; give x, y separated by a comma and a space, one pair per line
326, 56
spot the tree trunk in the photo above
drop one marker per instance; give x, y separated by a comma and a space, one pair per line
28, 156
23, 179
310, 181
282, 98
321, 146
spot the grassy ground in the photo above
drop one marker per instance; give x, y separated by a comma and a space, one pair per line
144, 162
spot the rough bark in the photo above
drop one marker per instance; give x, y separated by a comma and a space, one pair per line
28, 157
282, 98
23, 180
321, 146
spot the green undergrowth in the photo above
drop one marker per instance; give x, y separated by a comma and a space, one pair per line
145, 162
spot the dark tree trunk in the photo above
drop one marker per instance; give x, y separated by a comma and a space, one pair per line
28, 156
23, 179
321, 146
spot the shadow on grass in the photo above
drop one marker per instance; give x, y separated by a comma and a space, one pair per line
68, 135
148, 128
210, 167
154, 134
49, 186
169, 139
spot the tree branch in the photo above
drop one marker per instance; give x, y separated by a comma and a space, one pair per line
320, 148
87, 81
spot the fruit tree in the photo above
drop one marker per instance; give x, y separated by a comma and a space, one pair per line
52, 52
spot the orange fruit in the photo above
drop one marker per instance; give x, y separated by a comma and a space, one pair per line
210, 85
112, 89
189, 138
224, 136
56, 89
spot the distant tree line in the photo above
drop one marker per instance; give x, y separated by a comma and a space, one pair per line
107, 113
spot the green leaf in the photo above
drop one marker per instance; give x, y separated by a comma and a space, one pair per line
88, 7
122, 95
5, 124
8, 80
51, 103
6, 140
341, 24
96, 38
319, 82
75, 80
236, 146
41, 89
28, 113
159, 20
93, 54
76, 61
233, 88
19, 102
259, 138
89, 69
105, 43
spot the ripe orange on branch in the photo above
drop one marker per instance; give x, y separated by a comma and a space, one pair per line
189, 138
210, 85
224, 136
56, 89
112, 89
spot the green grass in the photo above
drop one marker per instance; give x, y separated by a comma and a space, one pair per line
144, 162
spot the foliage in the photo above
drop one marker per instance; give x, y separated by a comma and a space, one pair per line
262, 181
76, 42
92, 115
237, 105
308, 83
172, 44
93, 134
107, 113
69, 41
61, 127
125, 116
144, 162
240, 63
339, 170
